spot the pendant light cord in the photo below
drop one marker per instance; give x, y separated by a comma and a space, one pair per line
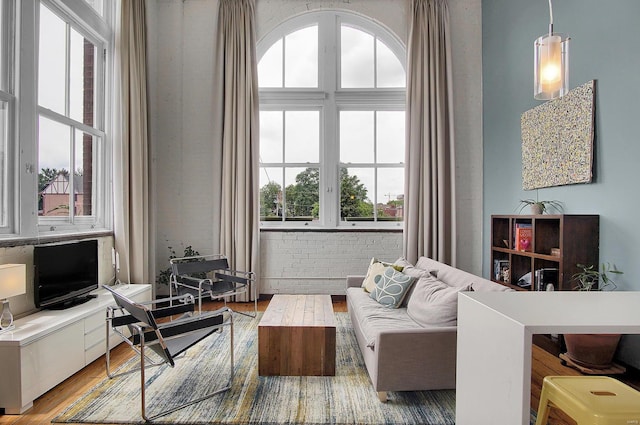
550, 18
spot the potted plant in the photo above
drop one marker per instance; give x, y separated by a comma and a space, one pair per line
539, 207
593, 279
164, 276
593, 351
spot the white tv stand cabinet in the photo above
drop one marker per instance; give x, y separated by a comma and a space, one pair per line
49, 346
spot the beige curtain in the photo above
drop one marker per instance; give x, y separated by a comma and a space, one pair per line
236, 67
130, 153
430, 210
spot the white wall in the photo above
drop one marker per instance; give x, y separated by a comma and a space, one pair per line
181, 40
317, 262
393, 14
466, 46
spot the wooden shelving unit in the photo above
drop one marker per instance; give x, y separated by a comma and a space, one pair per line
574, 239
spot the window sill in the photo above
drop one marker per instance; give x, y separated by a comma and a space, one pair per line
334, 230
18, 241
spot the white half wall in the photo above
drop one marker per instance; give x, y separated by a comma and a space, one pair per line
318, 262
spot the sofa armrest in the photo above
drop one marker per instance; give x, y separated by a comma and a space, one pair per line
419, 359
354, 281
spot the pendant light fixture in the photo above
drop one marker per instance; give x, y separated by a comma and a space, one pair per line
551, 58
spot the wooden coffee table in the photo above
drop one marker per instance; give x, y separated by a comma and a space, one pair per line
297, 336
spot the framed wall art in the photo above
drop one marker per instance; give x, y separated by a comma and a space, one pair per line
557, 140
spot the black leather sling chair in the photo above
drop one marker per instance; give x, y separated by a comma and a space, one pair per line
210, 276
138, 325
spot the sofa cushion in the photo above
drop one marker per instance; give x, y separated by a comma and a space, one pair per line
376, 268
456, 277
391, 287
434, 303
429, 265
413, 271
373, 317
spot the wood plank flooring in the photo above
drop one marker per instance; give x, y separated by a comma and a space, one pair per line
50, 404
545, 364
53, 402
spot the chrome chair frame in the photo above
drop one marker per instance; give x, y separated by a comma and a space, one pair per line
218, 280
167, 339
117, 318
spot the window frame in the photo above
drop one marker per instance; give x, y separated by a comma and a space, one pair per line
74, 222
331, 99
294, 107
7, 94
22, 197
375, 165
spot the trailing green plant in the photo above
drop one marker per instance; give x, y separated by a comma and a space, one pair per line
544, 206
592, 278
164, 276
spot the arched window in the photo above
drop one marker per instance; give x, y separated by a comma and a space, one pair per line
332, 137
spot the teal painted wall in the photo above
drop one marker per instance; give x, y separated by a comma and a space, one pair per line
605, 47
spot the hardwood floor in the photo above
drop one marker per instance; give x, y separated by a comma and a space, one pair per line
47, 406
544, 364
53, 402
50, 404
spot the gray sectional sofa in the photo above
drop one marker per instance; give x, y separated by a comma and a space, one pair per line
412, 347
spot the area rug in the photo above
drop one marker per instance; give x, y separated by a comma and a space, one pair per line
347, 398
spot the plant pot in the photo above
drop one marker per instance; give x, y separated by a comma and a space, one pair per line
537, 209
594, 351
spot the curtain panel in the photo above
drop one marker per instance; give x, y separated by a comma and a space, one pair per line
130, 144
237, 74
430, 210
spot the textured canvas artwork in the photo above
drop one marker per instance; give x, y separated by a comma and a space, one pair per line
557, 140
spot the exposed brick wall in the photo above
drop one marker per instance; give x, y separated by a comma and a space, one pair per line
303, 262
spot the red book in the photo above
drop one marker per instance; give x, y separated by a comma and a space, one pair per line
524, 238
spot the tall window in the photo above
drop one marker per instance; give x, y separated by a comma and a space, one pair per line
70, 120
54, 150
332, 89
7, 109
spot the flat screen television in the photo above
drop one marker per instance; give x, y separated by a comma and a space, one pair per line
65, 273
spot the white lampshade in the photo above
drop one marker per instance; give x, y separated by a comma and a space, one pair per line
13, 280
551, 79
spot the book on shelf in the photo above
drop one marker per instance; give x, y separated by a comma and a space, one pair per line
523, 237
546, 279
499, 267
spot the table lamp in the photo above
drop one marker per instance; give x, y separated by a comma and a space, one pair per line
12, 283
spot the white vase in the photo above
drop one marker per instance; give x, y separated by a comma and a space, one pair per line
537, 209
